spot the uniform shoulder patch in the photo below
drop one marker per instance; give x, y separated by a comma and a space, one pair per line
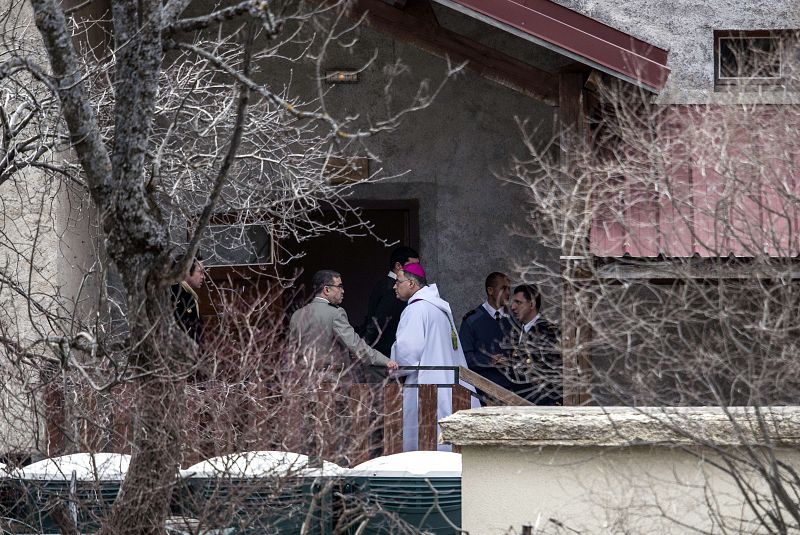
470, 313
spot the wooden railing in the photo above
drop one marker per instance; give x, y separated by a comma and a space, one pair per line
428, 404
222, 418
492, 394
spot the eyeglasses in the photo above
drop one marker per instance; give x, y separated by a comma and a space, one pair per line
335, 286
402, 281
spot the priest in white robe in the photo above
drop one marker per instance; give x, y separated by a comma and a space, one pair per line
426, 336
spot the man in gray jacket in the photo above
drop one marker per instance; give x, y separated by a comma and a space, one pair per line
324, 335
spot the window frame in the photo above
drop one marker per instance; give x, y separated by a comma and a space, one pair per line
234, 219
221, 227
784, 38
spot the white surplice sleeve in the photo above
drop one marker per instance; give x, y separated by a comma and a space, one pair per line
410, 343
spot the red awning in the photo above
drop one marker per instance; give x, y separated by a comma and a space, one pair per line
575, 35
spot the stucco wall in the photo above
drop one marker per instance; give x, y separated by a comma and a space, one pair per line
446, 157
686, 29
618, 470
600, 490
31, 233
47, 257
45, 266
28, 265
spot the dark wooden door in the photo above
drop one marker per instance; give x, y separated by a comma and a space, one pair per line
361, 259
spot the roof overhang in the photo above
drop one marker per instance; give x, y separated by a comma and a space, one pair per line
574, 35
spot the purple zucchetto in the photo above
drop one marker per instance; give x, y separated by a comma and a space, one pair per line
415, 269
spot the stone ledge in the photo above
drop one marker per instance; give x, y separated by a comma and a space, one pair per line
623, 426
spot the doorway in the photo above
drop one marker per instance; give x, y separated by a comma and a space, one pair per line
362, 260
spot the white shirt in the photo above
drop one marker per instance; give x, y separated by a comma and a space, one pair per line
392, 275
528, 326
525, 329
491, 310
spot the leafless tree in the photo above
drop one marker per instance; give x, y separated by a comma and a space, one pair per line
135, 133
677, 226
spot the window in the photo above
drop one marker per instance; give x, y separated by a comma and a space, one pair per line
237, 245
760, 58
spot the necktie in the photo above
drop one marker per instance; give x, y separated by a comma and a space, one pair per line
496, 315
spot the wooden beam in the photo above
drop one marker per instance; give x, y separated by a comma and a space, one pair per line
575, 330
392, 418
428, 417
461, 398
696, 269
571, 106
55, 419
490, 389
577, 36
461, 402
259, 429
417, 26
326, 418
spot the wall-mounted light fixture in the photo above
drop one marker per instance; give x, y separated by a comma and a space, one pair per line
346, 170
341, 76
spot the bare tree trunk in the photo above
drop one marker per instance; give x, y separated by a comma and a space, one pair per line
144, 503
157, 130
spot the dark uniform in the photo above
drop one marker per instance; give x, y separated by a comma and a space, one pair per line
536, 363
187, 311
481, 337
383, 316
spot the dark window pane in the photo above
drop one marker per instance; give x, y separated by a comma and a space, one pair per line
236, 245
749, 57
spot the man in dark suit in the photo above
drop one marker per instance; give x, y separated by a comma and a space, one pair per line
384, 308
536, 360
483, 331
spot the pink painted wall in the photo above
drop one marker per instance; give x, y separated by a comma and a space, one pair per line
719, 181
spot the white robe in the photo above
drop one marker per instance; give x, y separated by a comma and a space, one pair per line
424, 339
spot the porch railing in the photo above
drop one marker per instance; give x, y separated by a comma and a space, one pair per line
226, 417
428, 404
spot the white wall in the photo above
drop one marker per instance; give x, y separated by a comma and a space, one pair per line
599, 490
614, 470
